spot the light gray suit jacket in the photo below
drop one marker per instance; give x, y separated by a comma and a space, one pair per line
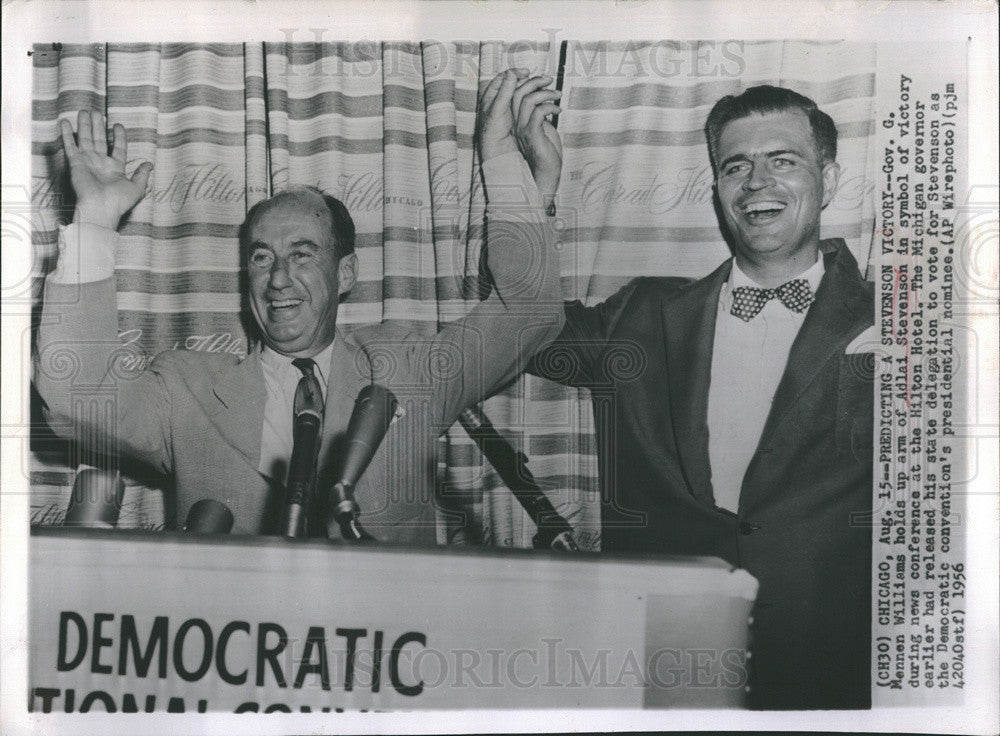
199, 416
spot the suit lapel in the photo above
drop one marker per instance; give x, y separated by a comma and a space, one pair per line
842, 311
349, 372
239, 415
689, 331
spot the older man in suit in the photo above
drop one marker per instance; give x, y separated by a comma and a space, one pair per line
743, 428
222, 427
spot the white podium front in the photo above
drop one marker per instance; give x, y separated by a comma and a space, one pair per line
152, 622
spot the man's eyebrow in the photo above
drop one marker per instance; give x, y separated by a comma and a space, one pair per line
769, 154
306, 242
259, 244
785, 152
731, 159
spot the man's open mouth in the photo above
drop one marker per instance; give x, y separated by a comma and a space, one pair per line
762, 211
283, 304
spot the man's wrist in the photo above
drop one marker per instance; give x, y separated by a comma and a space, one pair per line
496, 149
96, 215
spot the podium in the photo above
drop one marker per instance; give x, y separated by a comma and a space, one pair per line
151, 622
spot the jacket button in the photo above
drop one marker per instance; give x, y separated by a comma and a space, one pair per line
747, 528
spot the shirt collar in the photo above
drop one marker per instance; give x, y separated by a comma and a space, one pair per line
737, 278
278, 362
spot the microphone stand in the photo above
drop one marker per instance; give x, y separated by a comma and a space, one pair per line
345, 513
374, 409
554, 532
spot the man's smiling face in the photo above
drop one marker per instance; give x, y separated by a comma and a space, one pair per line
772, 185
295, 278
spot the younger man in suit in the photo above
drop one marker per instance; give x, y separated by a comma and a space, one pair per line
747, 432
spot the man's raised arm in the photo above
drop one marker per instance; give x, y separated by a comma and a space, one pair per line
477, 355
521, 158
574, 355
77, 342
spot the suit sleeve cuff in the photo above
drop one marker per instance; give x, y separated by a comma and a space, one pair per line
509, 182
86, 254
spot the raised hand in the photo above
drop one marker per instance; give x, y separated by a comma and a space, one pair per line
535, 135
495, 121
103, 191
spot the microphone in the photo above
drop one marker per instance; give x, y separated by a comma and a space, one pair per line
96, 499
554, 532
209, 516
373, 412
308, 413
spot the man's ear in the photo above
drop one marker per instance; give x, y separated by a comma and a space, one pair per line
831, 177
347, 273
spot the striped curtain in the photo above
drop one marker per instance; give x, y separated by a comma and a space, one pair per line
388, 129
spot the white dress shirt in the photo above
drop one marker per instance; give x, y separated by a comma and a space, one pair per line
748, 360
282, 379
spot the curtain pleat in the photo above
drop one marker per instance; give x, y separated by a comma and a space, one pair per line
409, 255
258, 158
389, 128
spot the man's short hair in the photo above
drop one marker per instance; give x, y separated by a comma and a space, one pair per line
343, 224
764, 100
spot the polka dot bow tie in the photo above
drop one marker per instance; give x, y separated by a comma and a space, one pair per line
749, 300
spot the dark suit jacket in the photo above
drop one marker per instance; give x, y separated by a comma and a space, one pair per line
803, 526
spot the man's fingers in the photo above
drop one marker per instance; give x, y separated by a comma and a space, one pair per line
490, 93
537, 117
119, 148
525, 88
530, 84
69, 145
533, 100
141, 176
100, 134
84, 131
507, 86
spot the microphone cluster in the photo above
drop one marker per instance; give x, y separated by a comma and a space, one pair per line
96, 502
97, 494
373, 412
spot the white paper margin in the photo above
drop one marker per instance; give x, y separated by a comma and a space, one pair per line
79, 21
